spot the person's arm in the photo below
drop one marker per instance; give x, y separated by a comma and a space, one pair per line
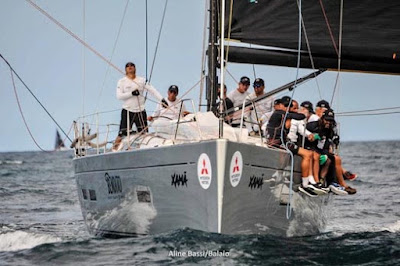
121, 95
294, 127
303, 130
153, 91
156, 113
296, 116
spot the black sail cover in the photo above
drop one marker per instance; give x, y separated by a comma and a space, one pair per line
370, 33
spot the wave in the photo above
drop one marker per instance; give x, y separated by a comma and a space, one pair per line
18, 240
11, 162
393, 228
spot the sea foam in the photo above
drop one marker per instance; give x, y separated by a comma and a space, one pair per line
17, 240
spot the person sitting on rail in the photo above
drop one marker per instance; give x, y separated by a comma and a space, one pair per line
324, 140
276, 139
299, 134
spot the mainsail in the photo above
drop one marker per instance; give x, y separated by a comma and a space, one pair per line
369, 39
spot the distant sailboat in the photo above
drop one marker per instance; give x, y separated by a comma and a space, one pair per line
59, 144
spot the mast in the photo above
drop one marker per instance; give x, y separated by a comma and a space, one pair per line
212, 57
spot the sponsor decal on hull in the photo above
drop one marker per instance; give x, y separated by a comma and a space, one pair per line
236, 168
204, 171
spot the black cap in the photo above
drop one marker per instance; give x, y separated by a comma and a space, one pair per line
323, 104
258, 82
129, 64
173, 88
308, 105
219, 86
286, 100
278, 101
245, 80
329, 115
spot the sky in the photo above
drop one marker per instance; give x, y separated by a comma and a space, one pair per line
70, 80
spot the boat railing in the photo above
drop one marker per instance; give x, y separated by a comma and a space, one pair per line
93, 137
181, 115
247, 111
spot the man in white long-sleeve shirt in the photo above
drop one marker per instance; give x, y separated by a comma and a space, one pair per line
263, 106
169, 107
131, 89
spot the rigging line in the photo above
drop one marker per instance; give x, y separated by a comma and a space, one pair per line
44, 108
230, 74
254, 68
83, 56
386, 113
74, 36
190, 89
203, 56
340, 50
158, 40
147, 43
112, 54
329, 27
310, 54
22, 114
370, 110
288, 207
229, 32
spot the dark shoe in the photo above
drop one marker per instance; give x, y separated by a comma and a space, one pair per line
309, 192
316, 189
349, 176
350, 190
321, 186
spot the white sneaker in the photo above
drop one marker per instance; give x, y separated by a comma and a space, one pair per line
338, 189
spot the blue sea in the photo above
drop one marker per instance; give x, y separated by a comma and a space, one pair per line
41, 222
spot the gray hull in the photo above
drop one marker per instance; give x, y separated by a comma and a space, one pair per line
214, 186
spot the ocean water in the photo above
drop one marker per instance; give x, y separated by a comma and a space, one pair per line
41, 222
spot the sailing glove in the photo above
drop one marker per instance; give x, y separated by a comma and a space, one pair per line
164, 103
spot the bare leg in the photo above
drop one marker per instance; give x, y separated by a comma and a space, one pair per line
117, 141
316, 165
325, 169
306, 156
339, 171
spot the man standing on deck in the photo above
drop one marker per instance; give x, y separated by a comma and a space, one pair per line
131, 90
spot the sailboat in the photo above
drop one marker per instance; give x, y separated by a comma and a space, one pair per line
201, 173
59, 143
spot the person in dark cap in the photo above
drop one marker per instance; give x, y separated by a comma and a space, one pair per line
275, 139
169, 107
321, 107
262, 107
227, 104
239, 95
278, 105
322, 139
131, 91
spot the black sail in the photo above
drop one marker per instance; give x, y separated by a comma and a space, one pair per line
370, 35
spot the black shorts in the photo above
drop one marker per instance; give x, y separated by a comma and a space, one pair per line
293, 147
139, 118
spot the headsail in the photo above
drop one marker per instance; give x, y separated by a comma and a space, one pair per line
370, 33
